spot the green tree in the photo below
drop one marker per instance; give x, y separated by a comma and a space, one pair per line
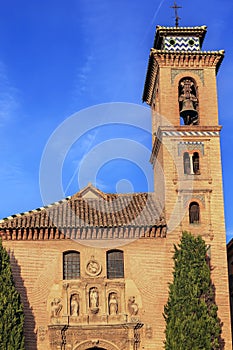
191, 313
11, 310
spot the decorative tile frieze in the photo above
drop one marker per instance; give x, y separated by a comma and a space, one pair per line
190, 133
190, 197
198, 72
176, 43
190, 146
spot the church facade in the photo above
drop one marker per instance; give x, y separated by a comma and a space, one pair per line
93, 269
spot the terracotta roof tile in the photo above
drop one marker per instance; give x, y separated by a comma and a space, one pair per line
78, 213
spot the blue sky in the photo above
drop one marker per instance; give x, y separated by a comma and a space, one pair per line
58, 58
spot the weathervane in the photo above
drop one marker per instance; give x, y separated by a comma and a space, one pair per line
175, 7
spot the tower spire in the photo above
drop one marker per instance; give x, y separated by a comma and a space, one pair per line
176, 7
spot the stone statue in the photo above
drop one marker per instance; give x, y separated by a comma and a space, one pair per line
113, 304
74, 305
56, 307
132, 306
94, 300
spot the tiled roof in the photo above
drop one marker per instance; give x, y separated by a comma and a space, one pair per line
79, 212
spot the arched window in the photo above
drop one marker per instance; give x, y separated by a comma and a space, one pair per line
191, 163
186, 159
188, 101
194, 213
115, 264
196, 167
71, 265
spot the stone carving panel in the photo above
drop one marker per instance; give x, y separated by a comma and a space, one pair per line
187, 198
190, 146
148, 331
41, 333
132, 306
56, 307
93, 267
94, 343
198, 72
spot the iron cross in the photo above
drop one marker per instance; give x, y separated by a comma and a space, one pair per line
175, 7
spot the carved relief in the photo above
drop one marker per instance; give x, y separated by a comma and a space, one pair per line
113, 304
132, 306
89, 344
148, 331
200, 197
41, 333
198, 72
190, 146
74, 305
56, 307
93, 267
54, 338
94, 300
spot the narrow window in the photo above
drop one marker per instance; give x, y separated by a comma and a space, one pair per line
186, 159
196, 167
194, 213
71, 265
115, 264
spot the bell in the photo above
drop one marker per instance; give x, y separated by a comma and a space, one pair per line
188, 113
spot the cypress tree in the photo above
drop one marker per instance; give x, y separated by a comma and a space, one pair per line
11, 310
191, 313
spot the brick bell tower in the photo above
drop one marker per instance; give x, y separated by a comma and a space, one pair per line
181, 90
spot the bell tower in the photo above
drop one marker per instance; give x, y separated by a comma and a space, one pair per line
180, 88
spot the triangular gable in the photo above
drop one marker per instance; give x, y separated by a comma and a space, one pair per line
90, 192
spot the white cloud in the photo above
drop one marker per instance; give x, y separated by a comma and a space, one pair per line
8, 96
82, 78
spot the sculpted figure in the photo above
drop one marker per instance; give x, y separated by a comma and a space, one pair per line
94, 299
93, 267
113, 304
132, 306
74, 305
56, 307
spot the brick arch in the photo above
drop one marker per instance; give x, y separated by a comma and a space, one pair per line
187, 73
96, 344
184, 74
200, 85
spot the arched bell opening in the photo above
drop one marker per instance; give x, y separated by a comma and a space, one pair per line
188, 101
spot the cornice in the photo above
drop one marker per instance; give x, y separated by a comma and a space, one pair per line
87, 233
182, 133
194, 59
178, 59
